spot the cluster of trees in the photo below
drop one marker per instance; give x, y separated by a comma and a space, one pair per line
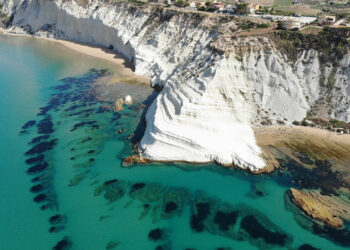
182, 3
242, 8
247, 24
340, 5
208, 7
330, 43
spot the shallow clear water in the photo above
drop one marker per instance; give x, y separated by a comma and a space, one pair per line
94, 213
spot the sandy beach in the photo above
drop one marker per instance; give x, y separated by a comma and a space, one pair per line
125, 68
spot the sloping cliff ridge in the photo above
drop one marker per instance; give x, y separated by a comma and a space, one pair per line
214, 89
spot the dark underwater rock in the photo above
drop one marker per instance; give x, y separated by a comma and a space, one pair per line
81, 124
28, 124
37, 168
39, 138
35, 159
56, 229
225, 220
42, 147
170, 207
138, 186
36, 188
86, 140
307, 247
155, 234
45, 126
111, 181
340, 236
40, 198
203, 211
256, 230
57, 219
64, 244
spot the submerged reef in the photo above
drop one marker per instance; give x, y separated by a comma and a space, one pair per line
75, 93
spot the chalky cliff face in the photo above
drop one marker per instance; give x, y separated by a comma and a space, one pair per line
214, 89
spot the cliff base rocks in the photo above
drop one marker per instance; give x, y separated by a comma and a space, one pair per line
330, 210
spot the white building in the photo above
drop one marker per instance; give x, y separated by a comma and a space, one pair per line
230, 8
292, 23
192, 5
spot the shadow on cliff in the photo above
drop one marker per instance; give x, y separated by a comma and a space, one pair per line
141, 127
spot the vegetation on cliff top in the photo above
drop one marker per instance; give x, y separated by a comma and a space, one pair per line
332, 44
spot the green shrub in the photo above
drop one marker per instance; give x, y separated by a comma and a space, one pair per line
330, 43
263, 25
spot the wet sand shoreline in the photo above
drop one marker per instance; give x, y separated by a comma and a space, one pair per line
125, 68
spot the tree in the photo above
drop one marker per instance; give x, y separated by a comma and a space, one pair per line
180, 3
340, 50
242, 8
280, 25
263, 25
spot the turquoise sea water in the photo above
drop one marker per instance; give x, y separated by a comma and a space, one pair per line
73, 192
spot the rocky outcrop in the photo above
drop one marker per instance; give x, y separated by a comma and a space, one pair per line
214, 89
118, 104
327, 209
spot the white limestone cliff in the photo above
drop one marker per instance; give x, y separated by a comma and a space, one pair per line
210, 101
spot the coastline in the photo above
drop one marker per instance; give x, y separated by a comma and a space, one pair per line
266, 137
125, 68
277, 131
322, 144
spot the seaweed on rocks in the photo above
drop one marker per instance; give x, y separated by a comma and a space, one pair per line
197, 218
137, 186
256, 230
81, 124
155, 234
40, 198
37, 168
111, 181
57, 219
170, 207
113, 190
339, 236
112, 245
74, 95
222, 219
39, 139
225, 220
56, 229
321, 176
35, 159
307, 247
36, 188
45, 126
42, 147
28, 124
86, 140
64, 244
